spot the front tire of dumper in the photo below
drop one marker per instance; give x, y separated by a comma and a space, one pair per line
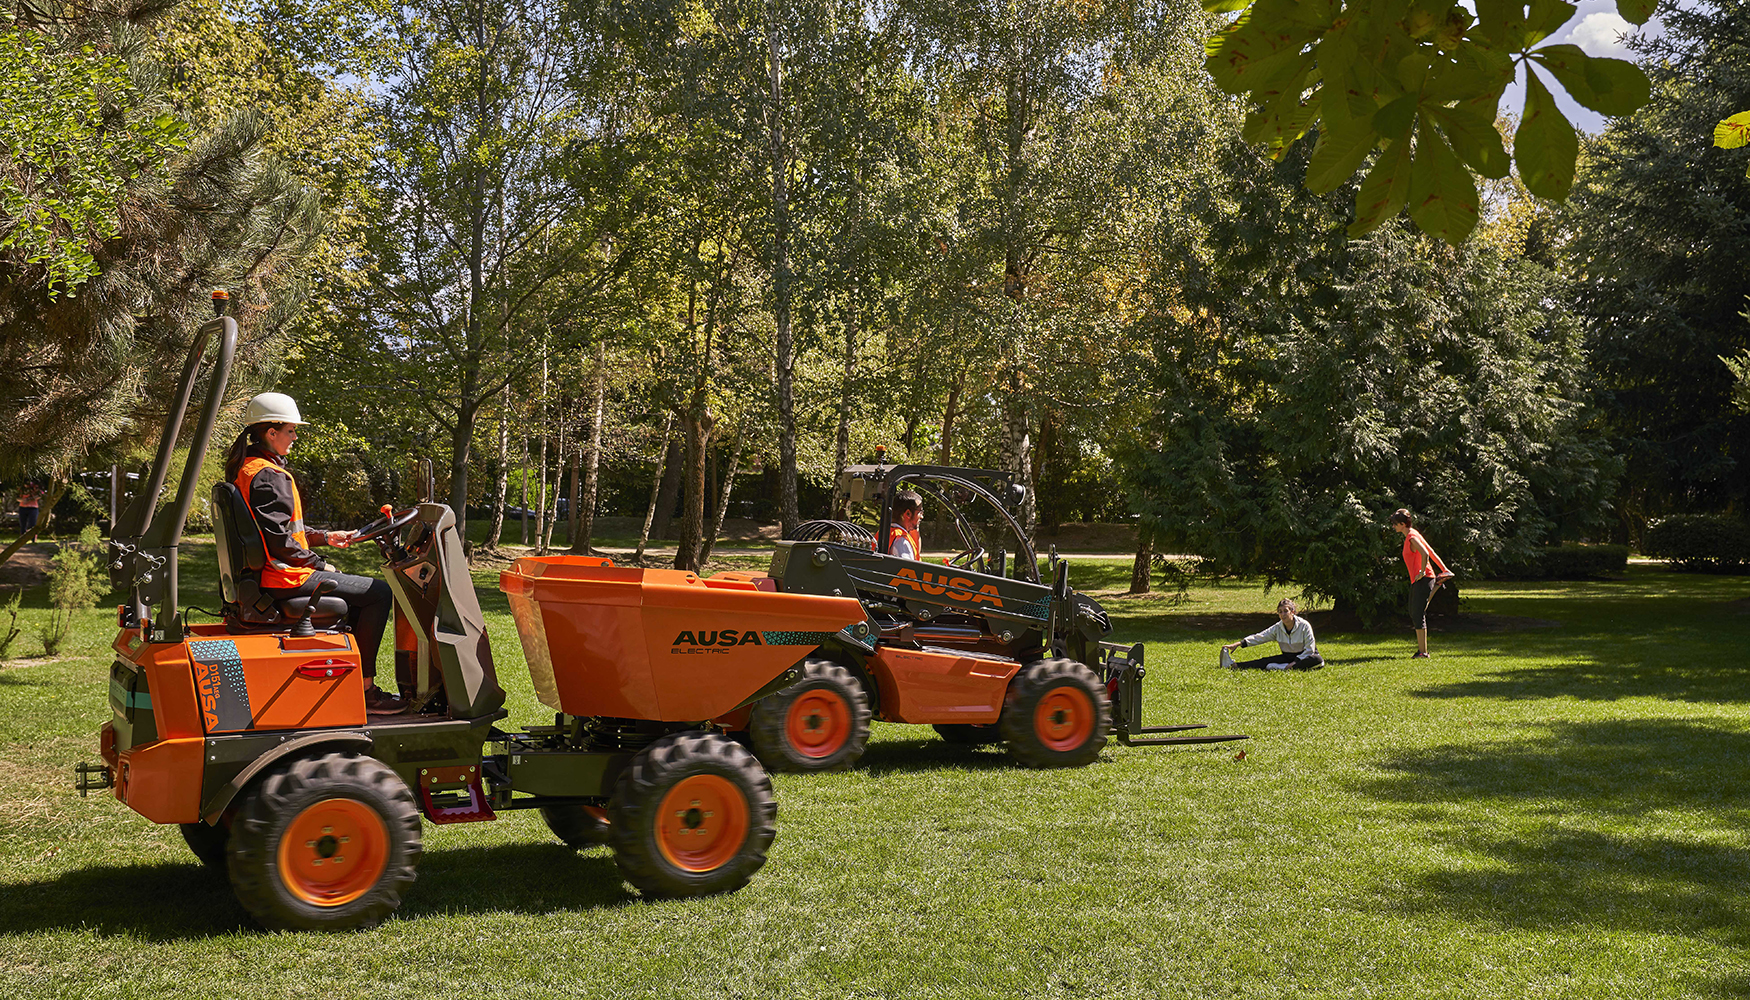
819, 723
207, 841
692, 815
325, 843
578, 826
1056, 715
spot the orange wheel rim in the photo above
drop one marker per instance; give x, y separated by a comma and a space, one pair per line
1064, 719
702, 823
333, 852
819, 723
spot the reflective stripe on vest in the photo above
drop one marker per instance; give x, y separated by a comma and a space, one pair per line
917, 544
277, 574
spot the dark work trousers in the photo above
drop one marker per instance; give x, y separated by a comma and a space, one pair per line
1421, 594
368, 603
27, 519
1282, 661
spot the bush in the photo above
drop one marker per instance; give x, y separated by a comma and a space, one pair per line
1569, 562
77, 578
1698, 541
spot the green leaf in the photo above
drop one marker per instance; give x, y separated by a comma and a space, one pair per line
1636, 11
1225, 6
1443, 195
1545, 18
1383, 193
1471, 130
1341, 148
1608, 86
1733, 132
1249, 53
1394, 120
1545, 146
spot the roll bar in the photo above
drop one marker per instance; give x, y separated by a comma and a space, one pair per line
143, 545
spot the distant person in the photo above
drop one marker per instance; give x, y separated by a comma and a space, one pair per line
903, 539
1420, 560
256, 465
30, 500
1293, 635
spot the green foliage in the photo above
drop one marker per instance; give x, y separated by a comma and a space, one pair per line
1370, 74
1568, 562
1740, 369
9, 632
77, 127
77, 578
1698, 541
1657, 234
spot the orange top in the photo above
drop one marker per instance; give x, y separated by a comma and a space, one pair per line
277, 574
917, 542
1413, 560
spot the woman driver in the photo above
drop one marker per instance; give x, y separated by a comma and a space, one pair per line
256, 464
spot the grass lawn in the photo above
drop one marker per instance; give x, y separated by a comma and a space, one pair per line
1555, 805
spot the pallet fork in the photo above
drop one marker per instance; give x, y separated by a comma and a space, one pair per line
1122, 669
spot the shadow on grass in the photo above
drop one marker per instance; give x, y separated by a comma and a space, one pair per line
914, 756
173, 902
1623, 825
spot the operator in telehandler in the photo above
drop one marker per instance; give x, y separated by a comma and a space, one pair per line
256, 465
904, 539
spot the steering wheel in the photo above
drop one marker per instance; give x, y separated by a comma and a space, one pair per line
387, 524
972, 557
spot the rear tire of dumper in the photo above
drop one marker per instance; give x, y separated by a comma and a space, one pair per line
819, 723
207, 841
692, 815
326, 843
1056, 714
578, 826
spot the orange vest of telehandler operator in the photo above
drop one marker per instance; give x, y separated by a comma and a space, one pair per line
917, 543
277, 574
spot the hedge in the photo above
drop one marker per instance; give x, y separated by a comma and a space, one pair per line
1570, 562
1698, 541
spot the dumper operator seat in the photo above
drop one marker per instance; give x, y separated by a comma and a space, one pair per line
247, 608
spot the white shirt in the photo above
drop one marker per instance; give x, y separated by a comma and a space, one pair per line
1296, 640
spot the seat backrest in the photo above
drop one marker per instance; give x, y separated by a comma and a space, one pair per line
237, 539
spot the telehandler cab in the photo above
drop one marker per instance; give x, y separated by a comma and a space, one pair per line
976, 645
251, 733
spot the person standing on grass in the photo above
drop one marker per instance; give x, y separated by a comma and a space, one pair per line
1421, 560
29, 505
1292, 634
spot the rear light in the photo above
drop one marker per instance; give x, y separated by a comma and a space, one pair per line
325, 669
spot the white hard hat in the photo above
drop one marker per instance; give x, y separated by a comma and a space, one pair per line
272, 408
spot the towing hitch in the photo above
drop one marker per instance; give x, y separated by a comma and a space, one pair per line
92, 777
1122, 669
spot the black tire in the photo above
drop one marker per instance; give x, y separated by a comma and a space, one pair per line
969, 735
576, 825
207, 842
819, 723
1056, 715
348, 808
685, 785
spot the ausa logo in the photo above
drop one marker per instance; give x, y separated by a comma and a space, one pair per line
956, 588
715, 641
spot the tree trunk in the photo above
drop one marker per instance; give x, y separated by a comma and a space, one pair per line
841, 449
723, 495
525, 515
778, 148
655, 488
501, 485
583, 512
671, 487
552, 515
697, 424
1142, 567
945, 452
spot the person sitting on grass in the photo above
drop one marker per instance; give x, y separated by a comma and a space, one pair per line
1292, 634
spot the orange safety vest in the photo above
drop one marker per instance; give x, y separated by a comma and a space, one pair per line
277, 574
917, 543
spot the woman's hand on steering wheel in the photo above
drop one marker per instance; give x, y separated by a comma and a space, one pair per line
385, 525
